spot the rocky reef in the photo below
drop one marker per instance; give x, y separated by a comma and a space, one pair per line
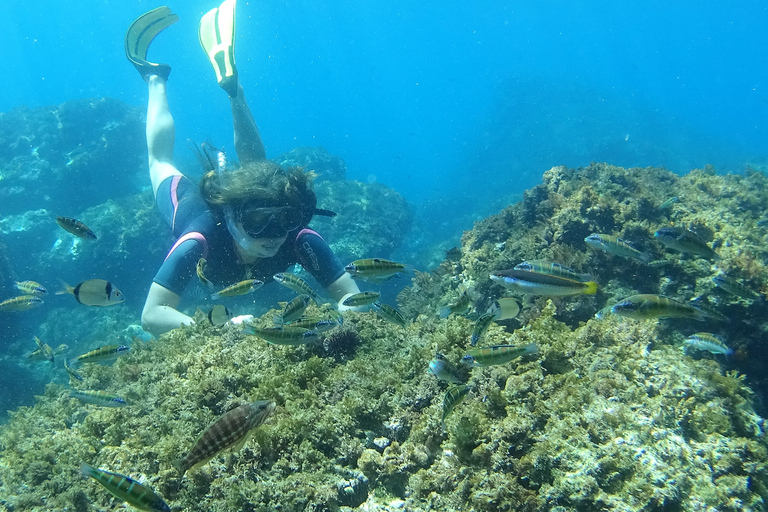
611, 414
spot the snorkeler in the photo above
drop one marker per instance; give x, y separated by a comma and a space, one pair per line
248, 223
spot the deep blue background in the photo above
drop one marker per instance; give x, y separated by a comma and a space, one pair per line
424, 95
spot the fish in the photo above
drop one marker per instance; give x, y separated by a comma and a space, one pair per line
241, 288
453, 254
389, 314
230, 429
30, 288
534, 283
361, 299
99, 398
293, 310
709, 342
219, 315
733, 287
669, 202
75, 227
283, 335
94, 292
105, 354
20, 303
72, 373
685, 241
616, 246
497, 354
452, 398
375, 270
444, 370
295, 283
462, 306
127, 489
504, 308
200, 268
553, 269
604, 312
481, 325
43, 352
647, 306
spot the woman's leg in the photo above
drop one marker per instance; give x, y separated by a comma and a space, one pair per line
248, 143
161, 133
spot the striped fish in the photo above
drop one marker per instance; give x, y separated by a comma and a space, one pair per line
100, 398
295, 283
75, 227
230, 429
127, 489
241, 288
375, 270
20, 303
293, 310
104, 354
389, 314
30, 288
548, 285
709, 342
481, 325
361, 299
452, 398
283, 335
497, 354
616, 246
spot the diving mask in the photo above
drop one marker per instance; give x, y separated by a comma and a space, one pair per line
270, 222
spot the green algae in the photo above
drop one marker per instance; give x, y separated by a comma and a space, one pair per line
611, 415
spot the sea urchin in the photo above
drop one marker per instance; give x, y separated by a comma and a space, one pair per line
341, 344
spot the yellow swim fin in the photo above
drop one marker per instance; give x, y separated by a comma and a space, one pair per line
217, 37
139, 36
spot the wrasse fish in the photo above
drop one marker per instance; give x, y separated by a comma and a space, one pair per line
75, 227
43, 352
462, 306
497, 354
99, 398
229, 430
284, 335
669, 202
241, 288
734, 287
72, 373
504, 308
375, 270
200, 269
20, 303
646, 306
552, 269
127, 489
616, 246
30, 288
452, 398
295, 283
361, 299
94, 292
685, 241
534, 283
389, 314
481, 325
709, 342
293, 310
103, 354
444, 370
317, 324
219, 315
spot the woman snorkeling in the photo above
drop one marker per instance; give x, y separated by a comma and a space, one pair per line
247, 223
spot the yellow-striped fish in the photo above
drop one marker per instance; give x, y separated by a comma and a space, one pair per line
100, 398
76, 227
44, 352
292, 310
231, 429
452, 398
72, 373
295, 283
616, 246
375, 270
127, 489
497, 354
361, 299
283, 335
20, 303
685, 241
200, 269
30, 288
647, 306
241, 288
481, 325
462, 306
389, 314
103, 354
547, 285
552, 268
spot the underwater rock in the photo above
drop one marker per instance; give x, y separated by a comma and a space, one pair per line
328, 167
70, 156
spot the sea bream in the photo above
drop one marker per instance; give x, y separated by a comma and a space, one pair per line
94, 292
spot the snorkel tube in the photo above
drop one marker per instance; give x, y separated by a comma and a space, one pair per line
245, 242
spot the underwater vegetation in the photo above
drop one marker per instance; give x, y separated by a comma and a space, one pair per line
610, 413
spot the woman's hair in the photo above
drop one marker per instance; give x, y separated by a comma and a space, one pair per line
262, 183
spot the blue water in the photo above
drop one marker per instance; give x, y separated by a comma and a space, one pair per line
409, 93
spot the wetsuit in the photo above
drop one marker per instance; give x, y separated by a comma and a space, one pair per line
200, 235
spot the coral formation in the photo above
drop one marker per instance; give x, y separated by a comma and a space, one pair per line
611, 415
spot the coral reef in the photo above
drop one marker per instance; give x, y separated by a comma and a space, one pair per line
611, 415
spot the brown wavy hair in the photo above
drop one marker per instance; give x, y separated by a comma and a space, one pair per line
262, 183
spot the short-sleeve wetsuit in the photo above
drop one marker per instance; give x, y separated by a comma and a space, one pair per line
200, 235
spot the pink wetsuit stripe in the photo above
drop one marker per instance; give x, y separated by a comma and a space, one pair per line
194, 235
307, 231
174, 198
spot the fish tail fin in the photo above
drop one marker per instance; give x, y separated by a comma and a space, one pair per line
215, 296
65, 288
444, 311
531, 348
591, 288
72, 363
278, 320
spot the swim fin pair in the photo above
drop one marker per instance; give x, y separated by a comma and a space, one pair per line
216, 33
